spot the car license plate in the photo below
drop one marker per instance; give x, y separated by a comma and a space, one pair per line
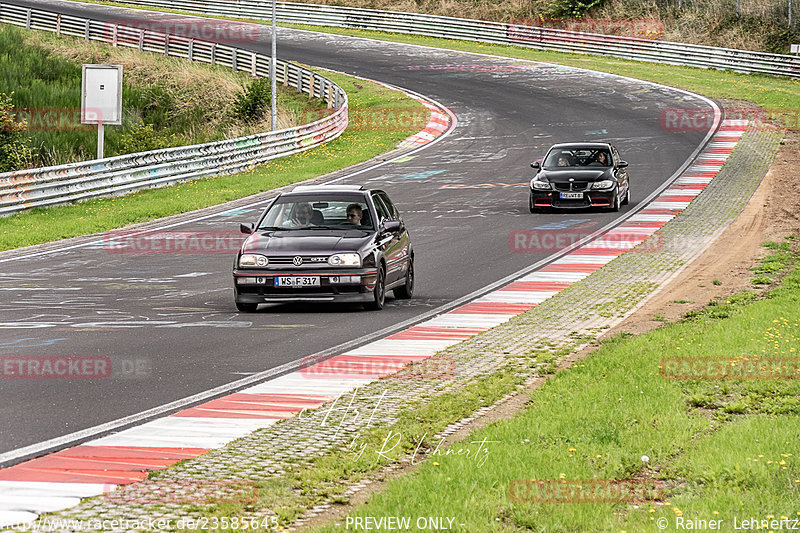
571, 195
297, 281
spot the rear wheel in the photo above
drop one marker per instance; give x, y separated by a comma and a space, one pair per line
379, 292
246, 307
406, 291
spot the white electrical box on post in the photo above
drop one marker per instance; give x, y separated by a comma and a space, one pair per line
101, 98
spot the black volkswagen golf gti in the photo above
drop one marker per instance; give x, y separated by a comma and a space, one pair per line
325, 243
576, 175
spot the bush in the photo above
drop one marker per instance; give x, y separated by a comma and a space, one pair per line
142, 138
252, 104
15, 150
571, 8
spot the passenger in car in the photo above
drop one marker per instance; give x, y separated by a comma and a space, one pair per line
302, 216
354, 214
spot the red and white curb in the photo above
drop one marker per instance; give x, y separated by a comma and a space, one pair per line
438, 123
59, 480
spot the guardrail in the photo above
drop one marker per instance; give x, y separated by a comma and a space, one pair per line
41, 187
497, 32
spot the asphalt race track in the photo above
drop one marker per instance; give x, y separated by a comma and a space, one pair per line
167, 322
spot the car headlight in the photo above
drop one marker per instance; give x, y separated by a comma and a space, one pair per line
345, 260
252, 261
604, 184
539, 184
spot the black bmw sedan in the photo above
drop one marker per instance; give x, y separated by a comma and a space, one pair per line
325, 243
579, 175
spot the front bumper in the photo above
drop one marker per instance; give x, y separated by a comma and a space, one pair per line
591, 198
258, 286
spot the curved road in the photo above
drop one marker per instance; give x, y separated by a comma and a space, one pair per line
168, 323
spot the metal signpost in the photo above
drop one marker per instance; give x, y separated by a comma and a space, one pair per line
272, 65
101, 98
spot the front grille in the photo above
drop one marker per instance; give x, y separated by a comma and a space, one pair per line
576, 186
289, 259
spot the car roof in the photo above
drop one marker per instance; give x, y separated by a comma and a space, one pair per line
327, 188
581, 145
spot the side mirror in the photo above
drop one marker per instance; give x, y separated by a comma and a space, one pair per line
248, 228
622, 164
391, 225
536, 164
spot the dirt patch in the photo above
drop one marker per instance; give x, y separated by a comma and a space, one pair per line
772, 213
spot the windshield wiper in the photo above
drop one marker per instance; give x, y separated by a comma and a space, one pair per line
321, 227
271, 228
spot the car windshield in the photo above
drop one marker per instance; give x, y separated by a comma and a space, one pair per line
317, 212
577, 157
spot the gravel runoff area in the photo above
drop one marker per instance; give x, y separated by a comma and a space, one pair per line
581, 312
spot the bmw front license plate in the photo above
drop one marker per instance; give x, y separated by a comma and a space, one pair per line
571, 195
297, 281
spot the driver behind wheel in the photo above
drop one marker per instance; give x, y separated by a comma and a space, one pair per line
354, 214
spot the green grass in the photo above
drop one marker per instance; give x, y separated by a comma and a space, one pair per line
717, 449
184, 102
353, 146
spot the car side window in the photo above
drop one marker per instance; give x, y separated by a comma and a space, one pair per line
394, 214
380, 208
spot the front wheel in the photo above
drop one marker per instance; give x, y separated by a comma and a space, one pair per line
531, 207
406, 291
246, 307
615, 205
627, 198
379, 292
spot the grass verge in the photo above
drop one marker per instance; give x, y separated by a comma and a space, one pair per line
714, 449
353, 146
166, 101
